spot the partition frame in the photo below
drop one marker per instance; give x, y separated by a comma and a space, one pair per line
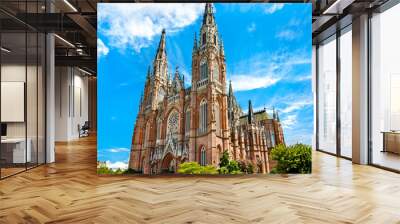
44, 94
387, 5
337, 34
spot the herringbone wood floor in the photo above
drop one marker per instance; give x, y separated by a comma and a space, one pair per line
69, 191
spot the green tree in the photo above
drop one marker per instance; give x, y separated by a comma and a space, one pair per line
292, 159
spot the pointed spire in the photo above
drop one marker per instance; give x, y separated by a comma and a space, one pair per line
148, 73
160, 64
221, 47
230, 88
208, 17
277, 116
177, 76
250, 115
195, 43
273, 113
161, 46
141, 101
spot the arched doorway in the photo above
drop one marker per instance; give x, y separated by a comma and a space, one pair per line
168, 164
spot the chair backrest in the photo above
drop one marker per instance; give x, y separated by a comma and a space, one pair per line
86, 124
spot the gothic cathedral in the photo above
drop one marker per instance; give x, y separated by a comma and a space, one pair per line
177, 124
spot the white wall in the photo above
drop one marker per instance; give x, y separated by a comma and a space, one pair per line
71, 102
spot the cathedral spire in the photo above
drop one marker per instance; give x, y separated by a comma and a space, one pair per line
277, 116
208, 17
195, 43
250, 115
221, 48
177, 76
148, 73
161, 46
230, 88
160, 66
141, 101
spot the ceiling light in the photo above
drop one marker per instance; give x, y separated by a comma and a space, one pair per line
84, 71
70, 5
5, 50
64, 40
337, 7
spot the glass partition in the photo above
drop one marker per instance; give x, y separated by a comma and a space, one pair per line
327, 95
385, 89
22, 77
346, 92
13, 94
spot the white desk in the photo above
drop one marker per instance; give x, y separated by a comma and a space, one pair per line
19, 153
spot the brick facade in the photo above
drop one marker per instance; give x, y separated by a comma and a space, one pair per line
168, 128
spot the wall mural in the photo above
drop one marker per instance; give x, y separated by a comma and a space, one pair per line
204, 88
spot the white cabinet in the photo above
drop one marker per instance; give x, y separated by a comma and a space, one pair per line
19, 155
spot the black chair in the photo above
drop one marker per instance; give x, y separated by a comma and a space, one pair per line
84, 130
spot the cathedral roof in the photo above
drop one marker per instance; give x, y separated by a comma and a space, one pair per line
258, 116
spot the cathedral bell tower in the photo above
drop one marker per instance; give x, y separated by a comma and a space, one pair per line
160, 73
209, 91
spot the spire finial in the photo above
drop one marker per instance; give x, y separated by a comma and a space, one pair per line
230, 88
208, 17
277, 116
195, 42
161, 46
250, 115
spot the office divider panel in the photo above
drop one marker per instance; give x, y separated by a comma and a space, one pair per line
22, 64
327, 95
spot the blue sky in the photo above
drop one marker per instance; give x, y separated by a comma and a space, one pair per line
268, 59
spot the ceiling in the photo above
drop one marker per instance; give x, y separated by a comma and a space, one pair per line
75, 22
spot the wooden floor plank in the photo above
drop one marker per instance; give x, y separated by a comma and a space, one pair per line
69, 191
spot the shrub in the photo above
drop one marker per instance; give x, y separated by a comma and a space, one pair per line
103, 169
236, 172
195, 168
131, 171
223, 170
224, 161
242, 166
292, 159
208, 170
250, 168
233, 166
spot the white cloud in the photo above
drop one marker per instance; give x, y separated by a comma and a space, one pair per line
289, 121
248, 82
303, 78
251, 27
257, 72
134, 26
102, 49
115, 165
119, 150
287, 35
297, 105
272, 8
